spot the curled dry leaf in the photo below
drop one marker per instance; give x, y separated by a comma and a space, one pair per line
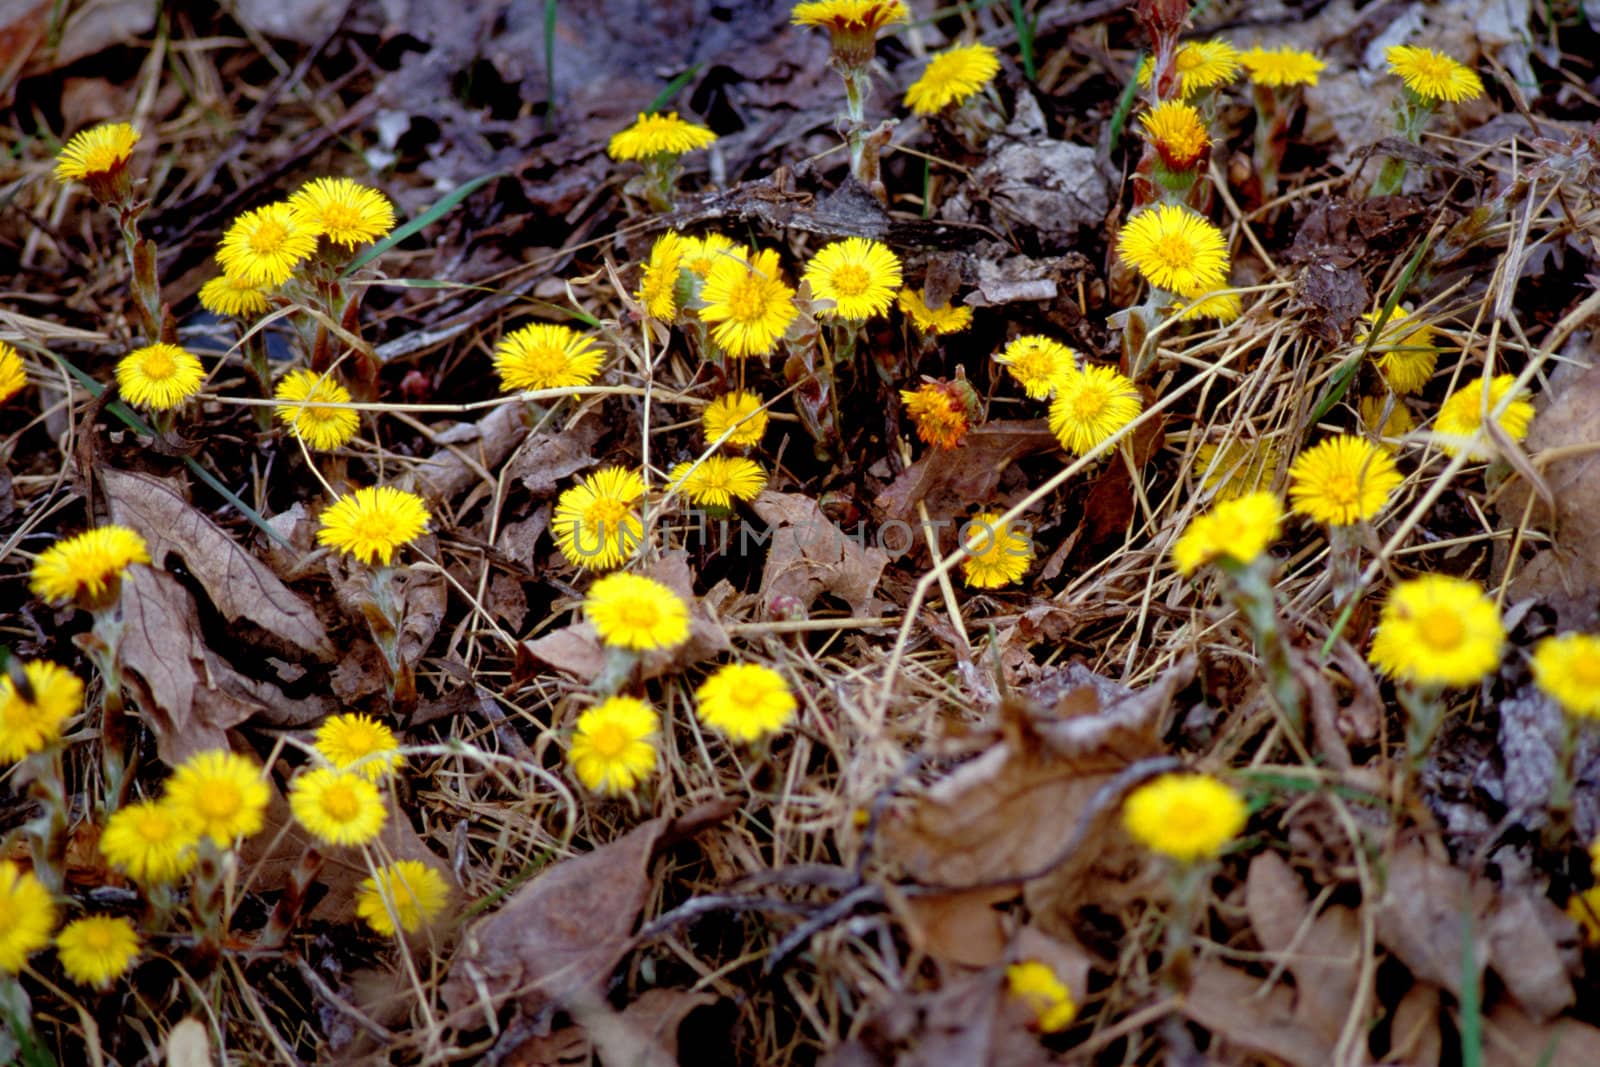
810, 556
948, 480
1322, 954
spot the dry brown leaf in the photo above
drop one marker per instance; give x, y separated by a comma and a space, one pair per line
239, 584
951, 481
1324, 958
546, 460
1523, 933
469, 448
1414, 1037
1511, 1039
1420, 916
1239, 1011
810, 556
960, 927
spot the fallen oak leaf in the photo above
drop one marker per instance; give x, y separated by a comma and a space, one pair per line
810, 556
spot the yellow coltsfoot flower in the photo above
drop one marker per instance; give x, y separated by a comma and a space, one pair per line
1239, 529
1405, 353
345, 212
27, 916
88, 567
13, 374
159, 376
1091, 405
738, 414
97, 949
1188, 817
1038, 363
931, 321
1342, 480
748, 303
1461, 416
614, 745
263, 247
1200, 65
402, 896
227, 295
221, 794
951, 77
859, 276
359, 744
717, 481
98, 157
372, 523
540, 356
658, 135
322, 428
35, 716
1567, 668
1281, 66
1176, 250
596, 522
1437, 630
631, 611
1432, 75
150, 841
999, 553
337, 807
746, 701
658, 282
1037, 985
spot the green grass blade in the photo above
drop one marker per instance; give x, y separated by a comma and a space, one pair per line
1471, 997
673, 88
549, 62
1025, 28
446, 204
1125, 102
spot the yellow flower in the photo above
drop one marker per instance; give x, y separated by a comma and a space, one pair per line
1405, 353
1283, 65
951, 77
700, 254
1461, 415
939, 415
221, 793
1000, 554
345, 212
1223, 307
1433, 75
371, 523
27, 915
1090, 406
719, 480
1239, 529
739, 415
631, 611
1178, 133
658, 284
1186, 816
1200, 65
1567, 668
658, 135
746, 701
1398, 424
360, 744
1584, 909
595, 523
32, 719
13, 374
854, 16
1038, 363
1235, 467
1176, 250
88, 567
858, 275
227, 295
1437, 630
150, 841
540, 356
749, 304
1342, 480
408, 893
97, 950
159, 376
1035, 984
96, 152
614, 745
337, 807
933, 321
264, 246
321, 428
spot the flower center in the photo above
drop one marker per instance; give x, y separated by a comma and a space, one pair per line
640, 614
1090, 404
219, 802
1587, 671
337, 217
1189, 59
606, 513
154, 828
268, 238
373, 528
1185, 820
1344, 489
1441, 629
97, 938
340, 804
159, 365
610, 740
746, 300
1175, 251
851, 280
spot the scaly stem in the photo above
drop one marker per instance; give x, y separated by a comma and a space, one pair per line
106, 651
857, 87
47, 835
1255, 600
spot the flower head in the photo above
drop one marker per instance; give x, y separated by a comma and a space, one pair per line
858, 275
159, 376
13, 375
746, 701
371, 523
632, 611
539, 356
227, 295
1239, 529
1235, 467
403, 895
658, 283
27, 915
1038, 363
337, 807
1090, 406
97, 949
1461, 415
596, 524
1404, 352
1433, 75
700, 254
34, 716
951, 77
1399, 421
96, 153
1186, 816
614, 745
932, 321
264, 246
1200, 65
222, 794
717, 481
999, 553
1342, 480
1035, 983
88, 567
738, 414
1221, 307
658, 135
1438, 631
150, 841
748, 302
1281, 66
939, 411
1567, 668
1178, 133
359, 744
345, 212
321, 428
860, 16
1176, 250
